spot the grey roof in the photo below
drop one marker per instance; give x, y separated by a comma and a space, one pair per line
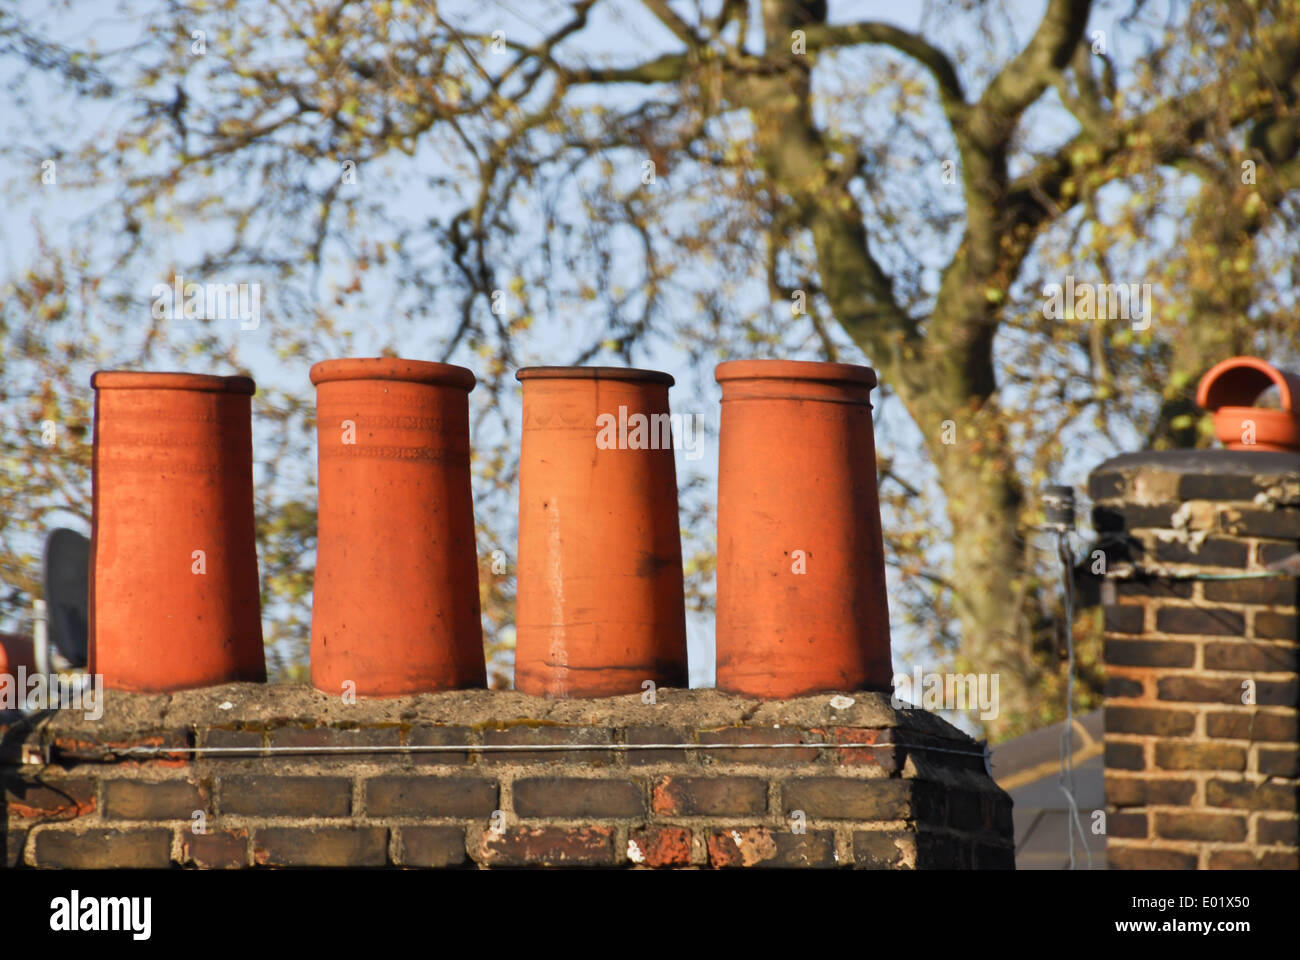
1028, 768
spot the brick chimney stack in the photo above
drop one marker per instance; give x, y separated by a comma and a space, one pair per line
1200, 654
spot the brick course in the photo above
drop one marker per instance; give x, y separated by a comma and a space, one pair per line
849, 796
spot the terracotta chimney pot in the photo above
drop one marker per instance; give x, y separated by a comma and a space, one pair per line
801, 573
174, 593
395, 605
1229, 390
599, 605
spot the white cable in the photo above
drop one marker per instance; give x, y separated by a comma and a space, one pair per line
1066, 779
506, 747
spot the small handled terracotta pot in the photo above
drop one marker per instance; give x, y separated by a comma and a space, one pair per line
599, 603
395, 606
174, 593
1229, 390
801, 603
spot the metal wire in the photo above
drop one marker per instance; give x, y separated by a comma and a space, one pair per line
151, 751
1066, 778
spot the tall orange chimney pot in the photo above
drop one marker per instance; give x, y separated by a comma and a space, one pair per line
395, 607
801, 604
174, 595
599, 604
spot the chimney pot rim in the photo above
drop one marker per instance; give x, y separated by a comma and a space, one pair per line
171, 380
809, 370
393, 368
630, 374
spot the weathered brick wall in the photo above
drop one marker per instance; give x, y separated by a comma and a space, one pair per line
901, 799
1198, 775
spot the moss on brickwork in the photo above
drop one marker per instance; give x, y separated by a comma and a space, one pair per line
264, 707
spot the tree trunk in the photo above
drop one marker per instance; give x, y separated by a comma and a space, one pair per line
938, 378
